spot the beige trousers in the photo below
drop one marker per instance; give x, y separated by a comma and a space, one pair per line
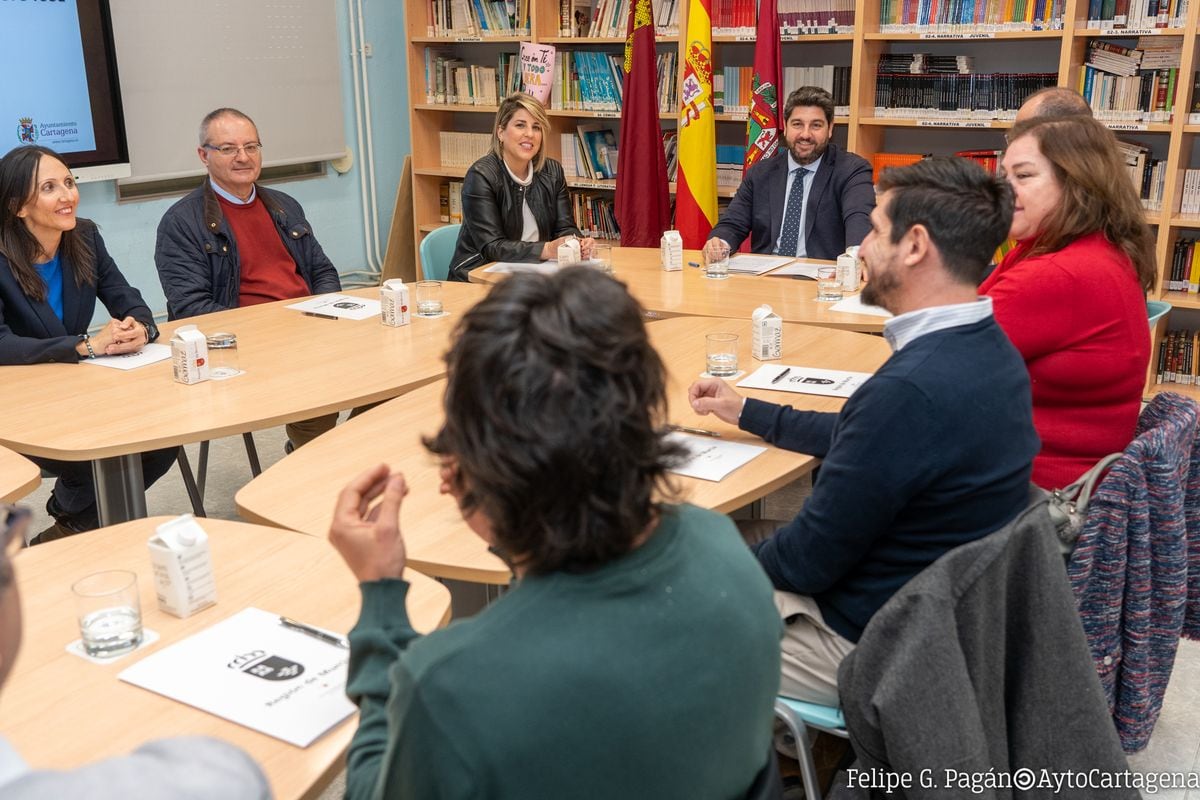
811, 651
304, 431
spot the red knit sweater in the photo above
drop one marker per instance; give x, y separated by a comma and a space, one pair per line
267, 269
1078, 317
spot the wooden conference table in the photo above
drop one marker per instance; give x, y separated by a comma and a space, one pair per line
18, 475
296, 367
61, 711
689, 293
299, 491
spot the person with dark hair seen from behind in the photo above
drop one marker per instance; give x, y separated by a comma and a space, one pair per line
53, 269
1072, 294
1054, 101
932, 452
628, 615
811, 199
181, 768
514, 200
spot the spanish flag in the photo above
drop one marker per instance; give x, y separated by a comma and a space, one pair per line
696, 191
643, 200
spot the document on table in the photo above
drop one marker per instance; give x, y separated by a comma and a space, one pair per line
853, 304
800, 268
150, 354
805, 380
756, 265
340, 306
543, 267
711, 459
251, 670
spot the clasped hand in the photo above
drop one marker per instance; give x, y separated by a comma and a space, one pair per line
715, 396
119, 336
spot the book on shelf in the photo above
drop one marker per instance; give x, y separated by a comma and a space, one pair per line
463, 149
1177, 358
1184, 275
444, 202
1136, 14
797, 17
1189, 203
599, 149
956, 98
881, 161
967, 17
731, 158
451, 81
450, 202
483, 18
1147, 173
732, 91
988, 159
595, 215
1127, 92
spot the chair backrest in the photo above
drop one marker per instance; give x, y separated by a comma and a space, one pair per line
437, 248
1155, 310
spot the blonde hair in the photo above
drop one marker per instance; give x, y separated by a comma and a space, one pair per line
509, 106
1097, 194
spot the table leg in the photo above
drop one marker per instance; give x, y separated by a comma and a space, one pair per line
120, 490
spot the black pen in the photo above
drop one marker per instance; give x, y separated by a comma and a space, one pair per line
781, 376
308, 630
697, 431
693, 263
315, 314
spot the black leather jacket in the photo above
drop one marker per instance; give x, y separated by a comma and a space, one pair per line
493, 220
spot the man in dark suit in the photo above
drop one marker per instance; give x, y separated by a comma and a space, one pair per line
814, 200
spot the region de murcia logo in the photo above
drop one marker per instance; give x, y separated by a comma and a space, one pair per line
26, 131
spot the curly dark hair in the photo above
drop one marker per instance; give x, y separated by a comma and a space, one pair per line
554, 405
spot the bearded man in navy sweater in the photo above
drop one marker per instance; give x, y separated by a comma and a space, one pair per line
933, 451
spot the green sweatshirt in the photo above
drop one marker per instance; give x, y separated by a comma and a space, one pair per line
652, 677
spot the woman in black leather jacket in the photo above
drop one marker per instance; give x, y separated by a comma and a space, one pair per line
514, 201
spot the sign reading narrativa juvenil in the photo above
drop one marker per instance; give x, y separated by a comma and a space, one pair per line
1023, 779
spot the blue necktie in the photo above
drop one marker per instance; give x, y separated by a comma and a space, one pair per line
793, 216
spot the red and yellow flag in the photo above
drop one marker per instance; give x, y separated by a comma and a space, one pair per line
696, 190
643, 200
766, 100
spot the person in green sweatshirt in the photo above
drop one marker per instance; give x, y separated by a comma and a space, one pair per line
636, 654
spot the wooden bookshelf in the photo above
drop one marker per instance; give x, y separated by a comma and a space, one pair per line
1061, 51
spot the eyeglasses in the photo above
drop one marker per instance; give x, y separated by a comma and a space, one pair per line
231, 150
13, 521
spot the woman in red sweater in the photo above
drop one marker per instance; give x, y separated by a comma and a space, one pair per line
1071, 295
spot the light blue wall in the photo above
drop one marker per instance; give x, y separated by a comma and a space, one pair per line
333, 203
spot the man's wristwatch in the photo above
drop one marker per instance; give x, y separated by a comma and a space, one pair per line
151, 330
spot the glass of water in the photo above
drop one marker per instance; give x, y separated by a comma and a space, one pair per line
222, 356
602, 257
429, 298
718, 265
721, 359
109, 611
829, 284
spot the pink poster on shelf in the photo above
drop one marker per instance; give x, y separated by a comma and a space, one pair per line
537, 70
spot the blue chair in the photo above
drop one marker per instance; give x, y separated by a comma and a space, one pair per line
1156, 310
799, 716
437, 248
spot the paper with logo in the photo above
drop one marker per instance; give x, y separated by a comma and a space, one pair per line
756, 265
537, 70
340, 306
853, 304
799, 268
251, 670
150, 354
711, 459
805, 380
543, 267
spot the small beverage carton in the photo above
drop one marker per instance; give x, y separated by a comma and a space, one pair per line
183, 570
766, 334
848, 266
568, 253
189, 354
393, 303
671, 251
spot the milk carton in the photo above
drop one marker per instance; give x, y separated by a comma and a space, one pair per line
848, 266
189, 354
671, 251
568, 253
766, 334
393, 303
183, 570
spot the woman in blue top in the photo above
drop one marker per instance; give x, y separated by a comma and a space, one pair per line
53, 268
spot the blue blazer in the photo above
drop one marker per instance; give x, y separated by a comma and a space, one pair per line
837, 214
30, 331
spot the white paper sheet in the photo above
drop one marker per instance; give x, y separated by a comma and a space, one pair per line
251, 670
806, 380
800, 268
339, 305
712, 459
150, 354
853, 304
756, 265
544, 267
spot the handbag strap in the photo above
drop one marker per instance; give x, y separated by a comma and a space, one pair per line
1068, 506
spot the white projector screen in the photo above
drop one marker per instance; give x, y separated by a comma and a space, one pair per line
276, 60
